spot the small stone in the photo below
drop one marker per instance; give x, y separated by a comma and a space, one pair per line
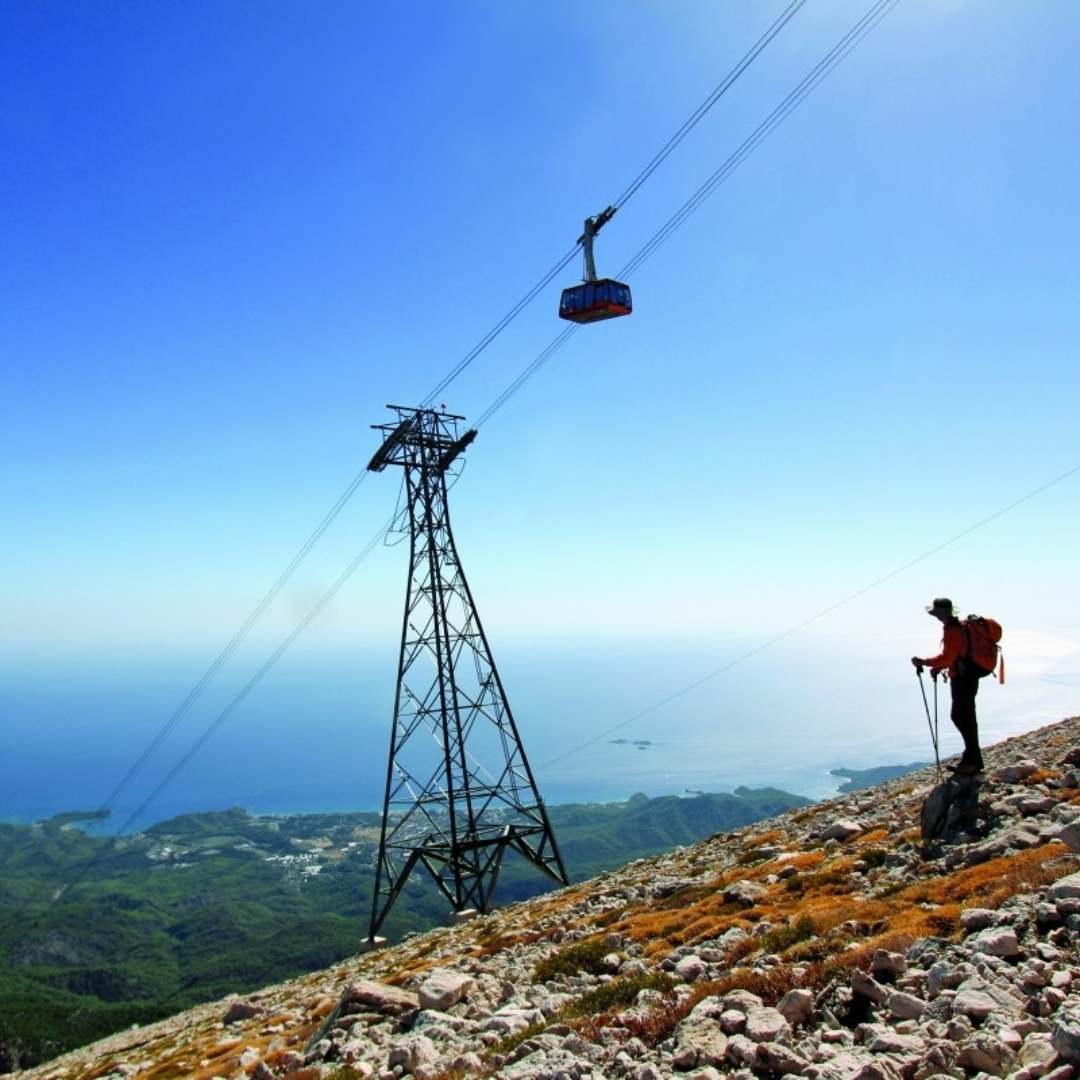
691, 968
868, 986
796, 1006
972, 919
906, 1006
732, 1021
996, 941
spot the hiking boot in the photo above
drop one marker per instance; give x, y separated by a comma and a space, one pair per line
967, 768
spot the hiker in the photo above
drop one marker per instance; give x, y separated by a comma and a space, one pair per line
964, 675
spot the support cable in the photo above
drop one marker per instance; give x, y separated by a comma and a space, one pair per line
675, 695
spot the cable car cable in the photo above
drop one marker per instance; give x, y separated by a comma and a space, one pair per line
806, 86
499, 327
814, 618
699, 113
824, 67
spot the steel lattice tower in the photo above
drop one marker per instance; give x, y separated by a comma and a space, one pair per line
459, 789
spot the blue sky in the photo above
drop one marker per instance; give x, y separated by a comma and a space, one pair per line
232, 233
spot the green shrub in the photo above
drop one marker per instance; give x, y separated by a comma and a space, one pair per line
874, 857
617, 994
781, 938
581, 956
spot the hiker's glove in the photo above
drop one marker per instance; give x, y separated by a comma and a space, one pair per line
918, 664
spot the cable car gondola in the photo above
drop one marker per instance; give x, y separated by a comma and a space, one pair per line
597, 298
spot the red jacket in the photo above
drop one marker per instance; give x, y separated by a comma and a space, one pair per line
953, 647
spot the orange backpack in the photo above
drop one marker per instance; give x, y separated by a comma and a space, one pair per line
983, 636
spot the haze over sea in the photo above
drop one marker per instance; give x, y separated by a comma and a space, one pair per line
314, 736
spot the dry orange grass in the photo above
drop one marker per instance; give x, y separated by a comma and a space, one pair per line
874, 836
926, 908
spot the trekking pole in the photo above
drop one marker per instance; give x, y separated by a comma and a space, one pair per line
930, 723
933, 677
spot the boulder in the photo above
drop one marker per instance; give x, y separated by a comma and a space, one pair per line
842, 829
691, 968
905, 1006
868, 986
509, 1020
1066, 888
732, 1021
892, 1042
746, 893
1069, 835
796, 1007
699, 1043
886, 963
984, 1052
412, 1052
1013, 774
977, 999
996, 941
742, 1052
976, 918
443, 989
764, 1024
240, 1010
377, 997
742, 1000
1038, 1049
781, 1060
1066, 1038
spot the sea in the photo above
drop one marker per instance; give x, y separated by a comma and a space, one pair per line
599, 723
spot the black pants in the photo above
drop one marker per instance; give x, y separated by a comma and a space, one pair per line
964, 688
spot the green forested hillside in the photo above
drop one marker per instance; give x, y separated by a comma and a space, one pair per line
95, 935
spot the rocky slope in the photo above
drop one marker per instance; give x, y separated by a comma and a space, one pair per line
827, 943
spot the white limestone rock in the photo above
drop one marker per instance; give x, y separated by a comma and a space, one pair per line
443, 989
